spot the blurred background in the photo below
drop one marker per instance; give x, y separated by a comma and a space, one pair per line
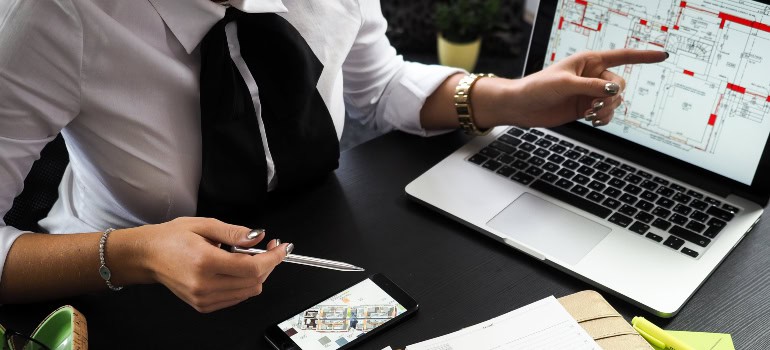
412, 30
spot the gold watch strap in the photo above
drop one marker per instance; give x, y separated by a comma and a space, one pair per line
463, 106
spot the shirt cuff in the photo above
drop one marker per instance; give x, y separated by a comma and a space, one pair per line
8, 235
408, 92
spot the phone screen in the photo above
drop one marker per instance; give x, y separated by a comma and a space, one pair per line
343, 318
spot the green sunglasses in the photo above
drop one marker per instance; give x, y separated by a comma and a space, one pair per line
63, 329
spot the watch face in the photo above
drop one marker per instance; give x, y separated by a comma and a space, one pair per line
105, 272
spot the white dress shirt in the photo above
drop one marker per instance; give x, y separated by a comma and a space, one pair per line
119, 80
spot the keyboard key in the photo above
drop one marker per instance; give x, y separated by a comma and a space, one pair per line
649, 196
681, 209
549, 177
627, 210
639, 228
515, 132
586, 170
719, 213
678, 219
712, 230
601, 177
509, 140
611, 161
694, 194
536, 161
571, 164
661, 212
596, 196
536, 132
587, 160
699, 216
489, 152
674, 242
661, 181
612, 192
699, 204
665, 191
572, 199
677, 187
617, 183
503, 147
521, 154
620, 220
713, 201
556, 158
730, 208
566, 173
534, 171
644, 205
644, 174
492, 165
648, 185
528, 147
551, 138
506, 159
596, 155
566, 144
579, 190
596, 185
478, 159
661, 224
581, 149
633, 178
519, 164
644, 217
541, 153
627, 198
695, 226
506, 171
628, 168
551, 167
522, 178
689, 236
611, 203
617, 172
665, 202
544, 143
689, 252
565, 184
632, 189
558, 149
654, 237
681, 198
602, 166
581, 179
529, 137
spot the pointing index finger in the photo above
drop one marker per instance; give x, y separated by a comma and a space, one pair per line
614, 58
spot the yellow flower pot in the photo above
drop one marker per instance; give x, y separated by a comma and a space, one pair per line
461, 55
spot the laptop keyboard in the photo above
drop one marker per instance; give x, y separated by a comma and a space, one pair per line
685, 220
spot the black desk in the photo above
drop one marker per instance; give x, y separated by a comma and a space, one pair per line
362, 216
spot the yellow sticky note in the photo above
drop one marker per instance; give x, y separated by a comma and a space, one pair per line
704, 341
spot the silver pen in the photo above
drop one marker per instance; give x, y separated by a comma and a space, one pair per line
303, 260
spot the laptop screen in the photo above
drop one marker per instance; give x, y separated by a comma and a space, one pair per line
709, 103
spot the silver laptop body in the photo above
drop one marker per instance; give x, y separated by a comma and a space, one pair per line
489, 185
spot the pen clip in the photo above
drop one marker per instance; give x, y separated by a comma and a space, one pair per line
650, 339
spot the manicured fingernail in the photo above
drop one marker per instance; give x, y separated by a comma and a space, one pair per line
598, 105
611, 88
598, 122
667, 55
255, 233
289, 248
590, 116
277, 241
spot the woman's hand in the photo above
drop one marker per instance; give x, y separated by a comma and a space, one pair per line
184, 255
580, 86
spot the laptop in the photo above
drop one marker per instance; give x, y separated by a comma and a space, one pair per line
648, 206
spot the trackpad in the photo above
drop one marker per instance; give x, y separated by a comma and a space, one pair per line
552, 230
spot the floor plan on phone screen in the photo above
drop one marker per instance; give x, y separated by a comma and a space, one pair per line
716, 79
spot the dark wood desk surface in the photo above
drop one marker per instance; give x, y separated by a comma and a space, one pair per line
362, 216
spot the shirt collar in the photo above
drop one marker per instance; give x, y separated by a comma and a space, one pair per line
190, 20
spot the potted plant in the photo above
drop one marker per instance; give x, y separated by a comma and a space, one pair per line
461, 24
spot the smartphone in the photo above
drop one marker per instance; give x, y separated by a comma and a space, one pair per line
344, 319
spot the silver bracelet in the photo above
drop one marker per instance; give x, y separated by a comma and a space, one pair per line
104, 271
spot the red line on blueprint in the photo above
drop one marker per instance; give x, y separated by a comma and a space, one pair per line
689, 72
582, 2
754, 94
683, 4
746, 22
624, 14
676, 27
643, 22
712, 119
716, 110
561, 22
768, 98
701, 10
657, 44
553, 56
737, 88
664, 28
599, 29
